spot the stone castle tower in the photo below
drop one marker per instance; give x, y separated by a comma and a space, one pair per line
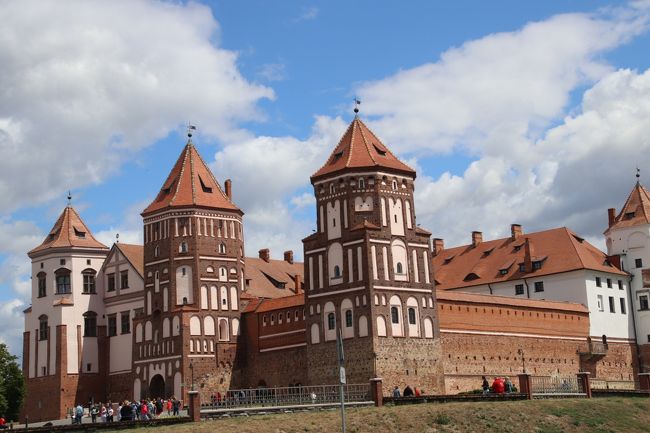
628, 240
194, 268
367, 270
64, 343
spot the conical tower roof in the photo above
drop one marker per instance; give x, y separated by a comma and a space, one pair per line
636, 210
69, 231
190, 184
360, 149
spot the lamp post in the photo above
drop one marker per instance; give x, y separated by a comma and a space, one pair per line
523, 359
192, 374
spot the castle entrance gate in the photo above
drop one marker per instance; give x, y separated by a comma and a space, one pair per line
157, 387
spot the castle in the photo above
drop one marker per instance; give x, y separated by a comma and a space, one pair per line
189, 307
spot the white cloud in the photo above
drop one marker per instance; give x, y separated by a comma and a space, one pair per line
272, 72
498, 99
11, 333
99, 80
307, 14
303, 200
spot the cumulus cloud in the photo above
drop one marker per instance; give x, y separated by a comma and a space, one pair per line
11, 334
97, 81
504, 100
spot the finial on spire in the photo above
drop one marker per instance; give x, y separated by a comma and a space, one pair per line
638, 173
117, 238
357, 102
190, 128
69, 198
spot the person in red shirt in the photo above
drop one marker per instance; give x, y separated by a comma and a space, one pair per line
3, 422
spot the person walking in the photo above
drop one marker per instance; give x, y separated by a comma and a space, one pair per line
485, 385
396, 392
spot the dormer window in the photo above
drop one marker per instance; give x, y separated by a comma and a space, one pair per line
471, 276
487, 252
79, 233
629, 215
205, 188
537, 265
517, 248
448, 260
379, 151
522, 267
337, 156
503, 271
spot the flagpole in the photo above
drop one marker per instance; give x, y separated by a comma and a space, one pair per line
339, 347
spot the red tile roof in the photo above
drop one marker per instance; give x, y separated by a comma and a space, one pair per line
360, 148
191, 183
635, 211
281, 303
69, 231
263, 276
507, 301
559, 250
134, 254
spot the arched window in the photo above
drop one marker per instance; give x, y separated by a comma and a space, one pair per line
223, 330
411, 312
42, 284
394, 315
381, 326
332, 188
362, 183
156, 251
42, 327
394, 185
63, 281
331, 321
348, 319
363, 326
90, 324
399, 268
222, 248
337, 271
88, 281
182, 248
195, 325
315, 333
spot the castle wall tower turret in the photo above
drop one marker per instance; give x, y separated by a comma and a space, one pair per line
628, 242
367, 270
64, 343
194, 275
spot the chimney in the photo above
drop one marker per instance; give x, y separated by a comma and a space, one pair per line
528, 256
265, 254
477, 238
288, 256
296, 284
611, 216
515, 231
228, 186
438, 246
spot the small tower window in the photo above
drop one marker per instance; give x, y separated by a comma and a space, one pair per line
90, 324
394, 185
399, 268
156, 251
63, 281
42, 327
394, 315
362, 183
332, 188
222, 248
348, 319
331, 321
411, 312
337, 271
42, 284
182, 248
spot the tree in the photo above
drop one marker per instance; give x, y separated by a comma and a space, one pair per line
12, 385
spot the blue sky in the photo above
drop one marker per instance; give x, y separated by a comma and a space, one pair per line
530, 112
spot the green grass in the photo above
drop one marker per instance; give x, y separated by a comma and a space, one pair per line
617, 414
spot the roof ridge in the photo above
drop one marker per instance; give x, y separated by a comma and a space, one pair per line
192, 172
365, 141
180, 174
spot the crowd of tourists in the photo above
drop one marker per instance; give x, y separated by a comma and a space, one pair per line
143, 410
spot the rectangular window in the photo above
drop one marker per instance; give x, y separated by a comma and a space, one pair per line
89, 283
537, 265
643, 302
42, 290
519, 289
620, 285
90, 326
126, 322
638, 263
623, 309
612, 305
601, 307
648, 338
89, 367
539, 286
598, 283
42, 330
62, 262
111, 282
609, 283
112, 325
124, 280
63, 284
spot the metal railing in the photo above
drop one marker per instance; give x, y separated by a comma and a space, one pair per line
601, 384
556, 385
288, 396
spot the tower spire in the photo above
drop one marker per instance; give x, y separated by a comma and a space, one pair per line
357, 102
190, 128
638, 174
69, 198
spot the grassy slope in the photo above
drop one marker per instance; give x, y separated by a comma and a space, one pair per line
540, 416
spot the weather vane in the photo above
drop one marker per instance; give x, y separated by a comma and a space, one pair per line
357, 102
69, 198
638, 173
190, 128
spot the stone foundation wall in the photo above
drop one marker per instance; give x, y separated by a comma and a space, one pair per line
323, 364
